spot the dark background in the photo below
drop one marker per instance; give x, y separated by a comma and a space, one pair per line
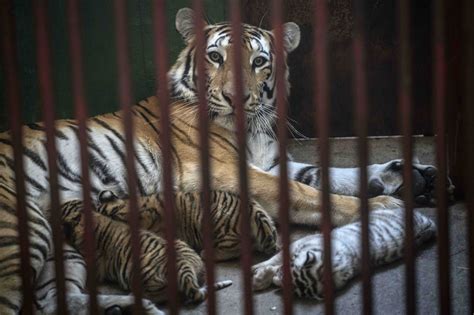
382, 51
100, 60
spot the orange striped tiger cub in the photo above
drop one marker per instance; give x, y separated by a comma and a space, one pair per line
114, 256
225, 216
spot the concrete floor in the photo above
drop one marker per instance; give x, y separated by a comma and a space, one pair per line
388, 282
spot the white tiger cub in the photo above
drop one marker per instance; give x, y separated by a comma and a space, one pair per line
77, 297
387, 234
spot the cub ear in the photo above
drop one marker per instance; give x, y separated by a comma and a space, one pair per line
291, 36
107, 196
185, 23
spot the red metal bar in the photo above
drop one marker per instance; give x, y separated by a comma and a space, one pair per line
321, 103
237, 100
469, 122
361, 125
406, 120
47, 96
10, 66
439, 98
280, 68
125, 98
161, 64
207, 226
80, 105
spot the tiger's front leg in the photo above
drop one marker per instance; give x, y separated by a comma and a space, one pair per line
305, 201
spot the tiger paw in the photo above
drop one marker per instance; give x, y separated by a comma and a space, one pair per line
387, 179
263, 276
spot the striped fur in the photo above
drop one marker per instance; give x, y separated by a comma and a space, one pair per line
114, 258
77, 298
106, 146
225, 216
387, 235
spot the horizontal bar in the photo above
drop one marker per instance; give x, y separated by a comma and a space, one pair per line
45, 82
80, 105
13, 98
161, 67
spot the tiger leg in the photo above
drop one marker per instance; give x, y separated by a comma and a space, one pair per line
228, 234
40, 245
263, 229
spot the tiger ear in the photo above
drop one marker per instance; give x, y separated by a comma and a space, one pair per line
291, 36
107, 196
185, 23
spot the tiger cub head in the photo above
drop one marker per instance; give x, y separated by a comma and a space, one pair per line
258, 68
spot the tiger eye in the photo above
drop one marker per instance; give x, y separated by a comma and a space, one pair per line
216, 57
259, 61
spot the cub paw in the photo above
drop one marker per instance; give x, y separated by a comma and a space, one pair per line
262, 277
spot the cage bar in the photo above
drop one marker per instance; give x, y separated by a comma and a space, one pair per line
125, 98
439, 99
207, 224
282, 110
469, 138
47, 96
80, 106
321, 103
237, 100
161, 65
361, 126
13, 97
406, 120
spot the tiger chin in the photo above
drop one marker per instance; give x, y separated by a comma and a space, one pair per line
114, 257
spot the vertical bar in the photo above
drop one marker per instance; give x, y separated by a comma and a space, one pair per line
80, 105
280, 65
361, 123
207, 226
47, 96
125, 98
439, 98
161, 64
406, 121
321, 103
237, 100
469, 122
10, 66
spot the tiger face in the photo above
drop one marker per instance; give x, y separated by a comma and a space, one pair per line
258, 67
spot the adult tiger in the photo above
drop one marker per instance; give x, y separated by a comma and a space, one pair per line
259, 84
106, 146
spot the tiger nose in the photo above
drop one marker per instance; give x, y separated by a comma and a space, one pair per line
229, 96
